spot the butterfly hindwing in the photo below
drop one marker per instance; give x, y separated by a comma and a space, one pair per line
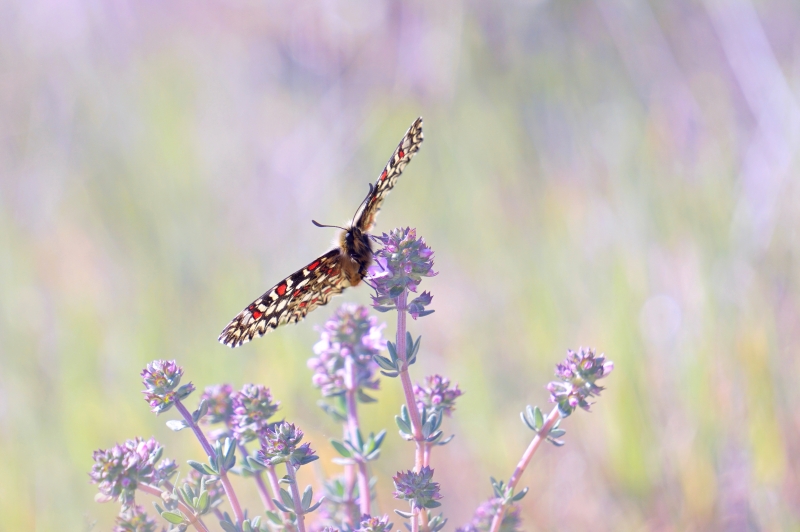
407, 148
288, 301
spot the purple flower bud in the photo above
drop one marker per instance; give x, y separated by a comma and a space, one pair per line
282, 444
252, 408
577, 375
134, 519
220, 403
437, 394
417, 488
162, 379
482, 519
400, 265
118, 471
374, 524
350, 333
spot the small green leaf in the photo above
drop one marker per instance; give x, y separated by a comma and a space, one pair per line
286, 498
520, 495
281, 507
379, 438
228, 526
202, 502
315, 506
177, 424
307, 495
172, 517
432, 504
392, 353
384, 363
538, 417
404, 427
275, 518
405, 515
341, 449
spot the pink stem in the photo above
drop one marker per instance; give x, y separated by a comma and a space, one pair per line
541, 436
273, 483
223, 475
352, 428
298, 504
408, 389
262, 488
194, 519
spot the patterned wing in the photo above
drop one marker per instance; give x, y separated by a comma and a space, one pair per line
397, 163
288, 301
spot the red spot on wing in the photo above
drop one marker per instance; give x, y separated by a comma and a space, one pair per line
313, 266
257, 314
401, 154
281, 289
383, 175
301, 305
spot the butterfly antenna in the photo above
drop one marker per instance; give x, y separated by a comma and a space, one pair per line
323, 225
369, 194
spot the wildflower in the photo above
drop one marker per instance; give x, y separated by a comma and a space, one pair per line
437, 394
418, 488
252, 408
162, 379
482, 519
577, 376
135, 519
374, 524
220, 403
350, 333
400, 265
282, 444
119, 470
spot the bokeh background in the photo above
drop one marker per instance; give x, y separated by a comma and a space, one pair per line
613, 173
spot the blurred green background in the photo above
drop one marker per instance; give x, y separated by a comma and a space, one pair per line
613, 173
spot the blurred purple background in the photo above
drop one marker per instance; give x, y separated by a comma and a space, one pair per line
610, 173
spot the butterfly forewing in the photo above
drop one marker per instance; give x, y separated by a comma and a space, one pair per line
407, 148
288, 301
308, 288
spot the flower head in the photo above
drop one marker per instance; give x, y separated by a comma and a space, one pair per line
418, 488
577, 375
219, 399
400, 265
374, 524
119, 470
282, 444
351, 333
162, 379
135, 519
437, 394
482, 519
252, 408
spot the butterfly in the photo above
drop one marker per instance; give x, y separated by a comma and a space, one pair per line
328, 275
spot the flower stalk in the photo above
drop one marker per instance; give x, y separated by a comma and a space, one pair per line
549, 423
223, 474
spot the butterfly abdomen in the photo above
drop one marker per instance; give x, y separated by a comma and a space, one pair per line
356, 254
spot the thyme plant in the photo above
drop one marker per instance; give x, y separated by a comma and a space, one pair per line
236, 430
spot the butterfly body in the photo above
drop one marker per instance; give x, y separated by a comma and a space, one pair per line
356, 254
310, 287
